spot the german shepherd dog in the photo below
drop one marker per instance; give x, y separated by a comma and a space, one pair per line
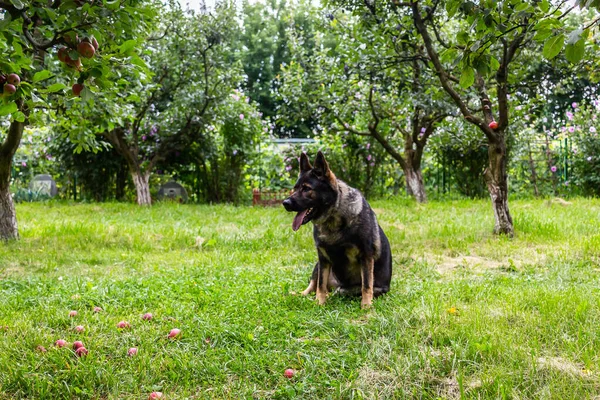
354, 253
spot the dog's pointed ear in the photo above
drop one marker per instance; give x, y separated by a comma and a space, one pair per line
321, 166
304, 163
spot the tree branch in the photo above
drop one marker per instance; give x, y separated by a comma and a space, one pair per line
508, 54
588, 26
443, 75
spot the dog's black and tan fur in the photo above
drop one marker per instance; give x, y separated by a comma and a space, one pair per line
354, 253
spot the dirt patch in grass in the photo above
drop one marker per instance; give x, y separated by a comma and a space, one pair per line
446, 265
377, 384
563, 365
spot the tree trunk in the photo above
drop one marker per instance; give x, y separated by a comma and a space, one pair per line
497, 182
142, 187
414, 184
8, 216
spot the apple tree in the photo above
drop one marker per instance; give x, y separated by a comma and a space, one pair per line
473, 48
193, 69
49, 47
373, 81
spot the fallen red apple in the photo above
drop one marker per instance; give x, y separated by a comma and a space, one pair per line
77, 344
147, 316
86, 49
493, 125
97, 309
174, 333
132, 351
9, 89
60, 343
155, 395
289, 373
77, 88
123, 325
81, 351
13, 79
73, 314
79, 328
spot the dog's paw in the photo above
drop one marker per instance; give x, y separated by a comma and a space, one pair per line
321, 299
365, 305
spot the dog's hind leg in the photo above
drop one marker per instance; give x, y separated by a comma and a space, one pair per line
312, 285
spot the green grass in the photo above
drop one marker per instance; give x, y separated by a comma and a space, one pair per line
469, 315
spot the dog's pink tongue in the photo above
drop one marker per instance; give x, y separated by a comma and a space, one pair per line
298, 220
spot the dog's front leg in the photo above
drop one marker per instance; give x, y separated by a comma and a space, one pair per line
322, 281
367, 273
312, 285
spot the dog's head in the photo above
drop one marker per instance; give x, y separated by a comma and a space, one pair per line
314, 192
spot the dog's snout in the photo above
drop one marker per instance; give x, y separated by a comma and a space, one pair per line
287, 203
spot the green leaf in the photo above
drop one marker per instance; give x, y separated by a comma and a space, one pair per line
127, 46
5, 22
9, 108
56, 87
463, 38
522, 7
494, 64
19, 116
42, 75
542, 35
18, 4
467, 78
544, 5
574, 52
18, 49
112, 5
86, 94
553, 46
452, 7
96, 72
547, 23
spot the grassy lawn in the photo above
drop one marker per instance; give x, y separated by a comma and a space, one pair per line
469, 315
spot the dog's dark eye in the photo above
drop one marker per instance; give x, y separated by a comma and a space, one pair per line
306, 188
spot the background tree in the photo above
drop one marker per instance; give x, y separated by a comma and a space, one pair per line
194, 69
216, 162
475, 65
266, 48
370, 80
36, 34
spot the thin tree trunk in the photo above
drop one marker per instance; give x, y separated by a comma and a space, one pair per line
8, 216
496, 179
414, 184
142, 187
